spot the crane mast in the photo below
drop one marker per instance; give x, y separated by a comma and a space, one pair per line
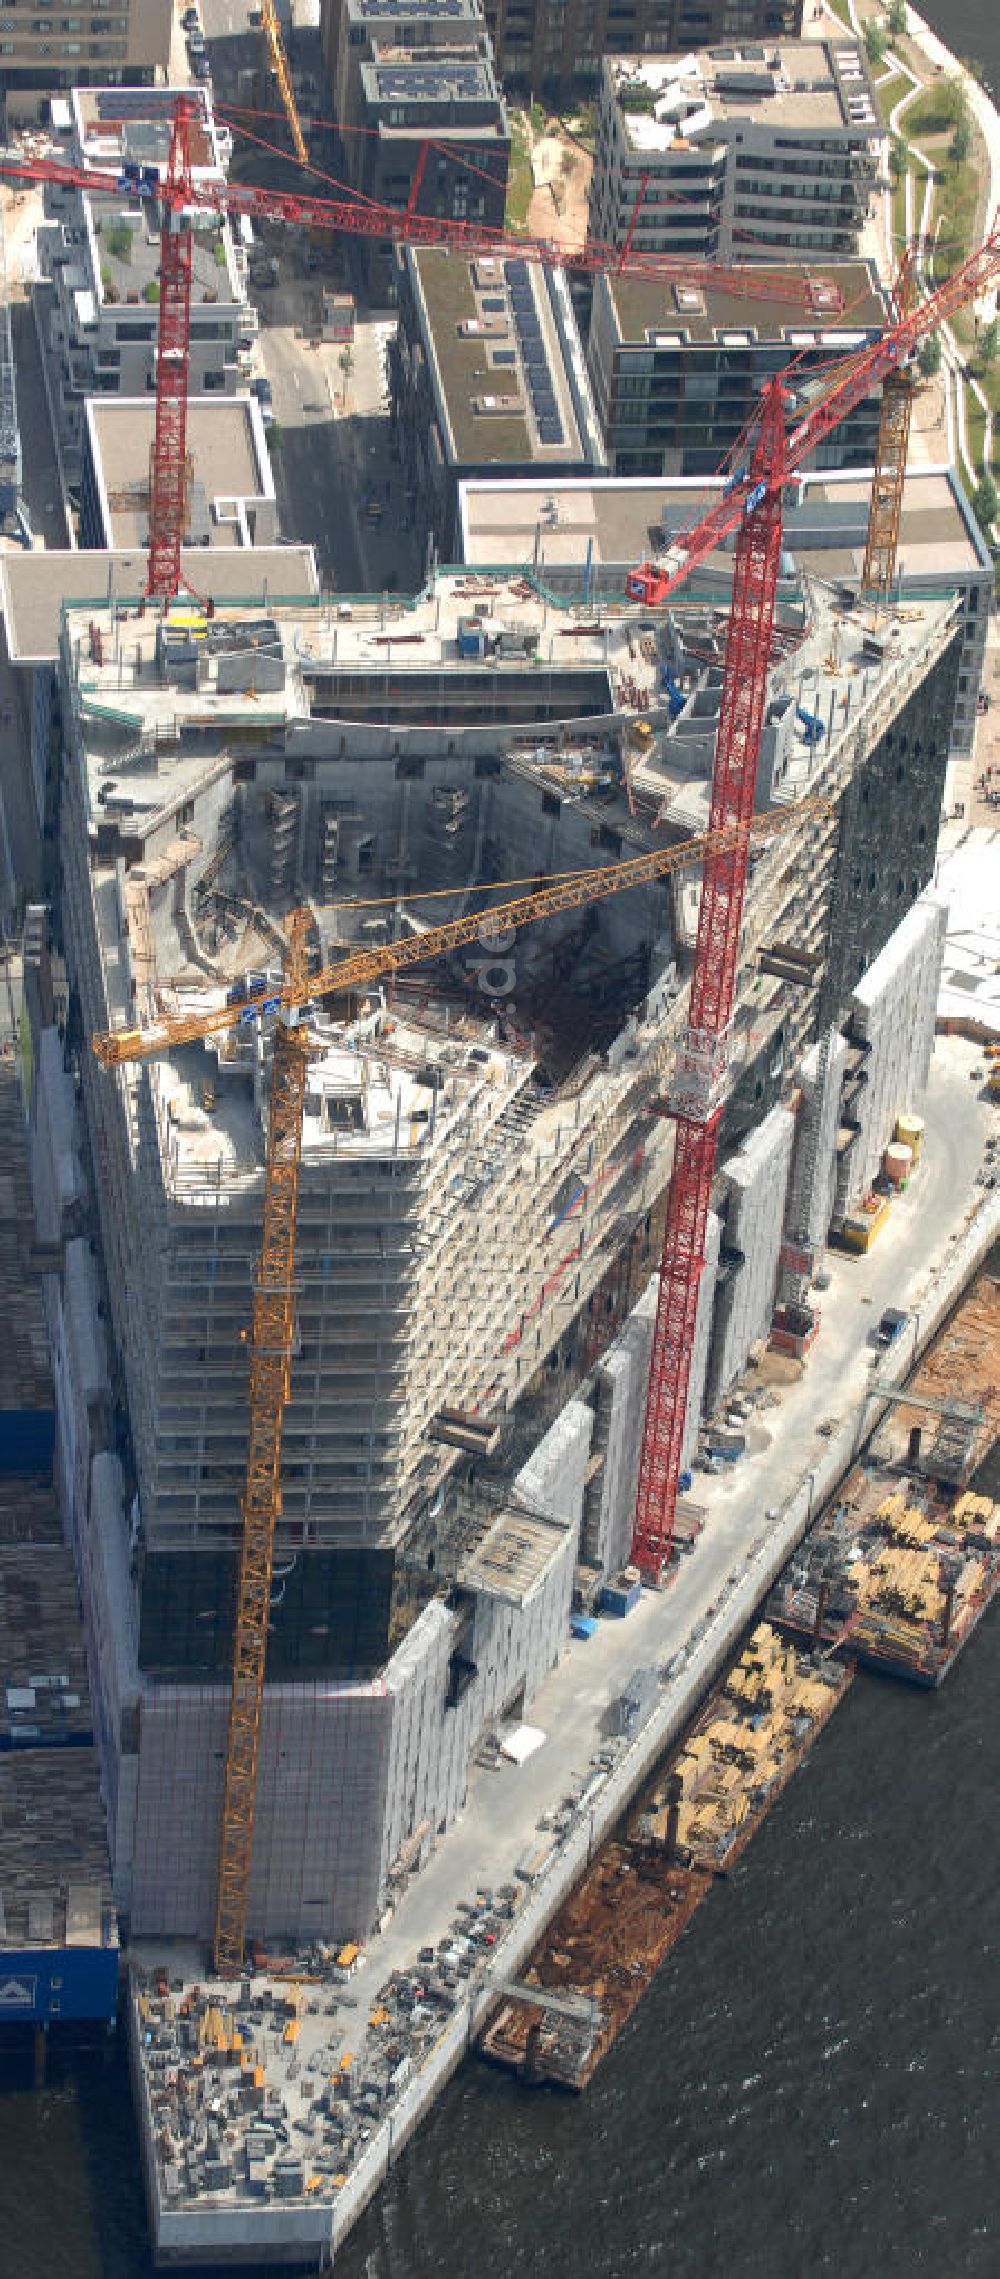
274, 48
270, 1369
696, 1095
168, 487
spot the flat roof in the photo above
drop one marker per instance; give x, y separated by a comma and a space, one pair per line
428, 11
970, 979
619, 518
35, 587
229, 460
512, 1557
449, 80
128, 253
113, 123
501, 390
676, 99
644, 307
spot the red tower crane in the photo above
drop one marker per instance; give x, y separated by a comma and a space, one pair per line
183, 203
751, 503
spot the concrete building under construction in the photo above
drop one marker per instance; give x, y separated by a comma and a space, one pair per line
483, 1144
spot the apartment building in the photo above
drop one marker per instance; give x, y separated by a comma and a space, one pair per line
116, 42
230, 492
487, 374
99, 255
416, 89
746, 152
556, 51
677, 370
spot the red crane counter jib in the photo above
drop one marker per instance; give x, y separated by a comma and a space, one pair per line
698, 1084
168, 482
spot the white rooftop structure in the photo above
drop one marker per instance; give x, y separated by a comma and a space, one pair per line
969, 882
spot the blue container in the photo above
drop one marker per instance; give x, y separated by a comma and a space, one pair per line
582, 1625
618, 1601
43, 1984
26, 1439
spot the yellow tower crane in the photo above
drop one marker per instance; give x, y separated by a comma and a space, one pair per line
273, 1324
891, 448
280, 66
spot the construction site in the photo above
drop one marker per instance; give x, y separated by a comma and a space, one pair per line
435, 1280
701, 1810
907, 1560
498, 1072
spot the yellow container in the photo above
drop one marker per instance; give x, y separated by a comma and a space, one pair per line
910, 1132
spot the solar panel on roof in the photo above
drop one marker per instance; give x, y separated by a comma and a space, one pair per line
515, 270
549, 428
494, 304
533, 355
504, 356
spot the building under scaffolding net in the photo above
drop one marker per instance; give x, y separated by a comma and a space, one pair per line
10, 437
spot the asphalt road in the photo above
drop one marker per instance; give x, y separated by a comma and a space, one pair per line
313, 467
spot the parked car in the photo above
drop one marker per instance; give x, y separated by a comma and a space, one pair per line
201, 67
191, 21
262, 389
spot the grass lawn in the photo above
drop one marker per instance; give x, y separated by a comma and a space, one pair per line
931, 114
519, 179
975, 428
841, 9
891, 91
955, 202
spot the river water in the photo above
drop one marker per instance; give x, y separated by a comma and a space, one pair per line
812, 2084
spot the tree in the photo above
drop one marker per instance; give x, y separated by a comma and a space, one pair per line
897, 19
961, 143
988, 345
899, 157
929, 355
876, 40
986, 503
